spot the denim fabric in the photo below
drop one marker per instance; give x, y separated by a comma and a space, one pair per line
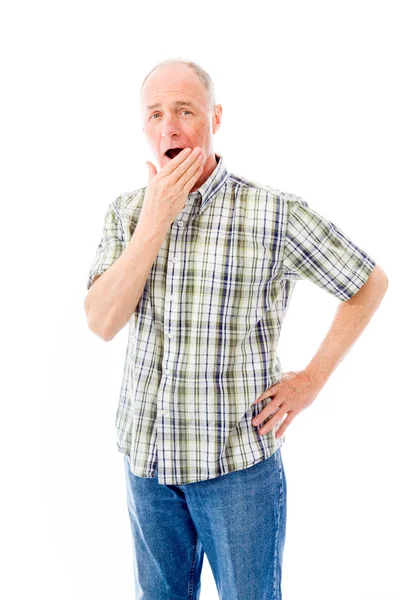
237, 519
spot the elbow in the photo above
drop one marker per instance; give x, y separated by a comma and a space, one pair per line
378, 278
386, 285
101, 332
375, 287
384, 282
104, 335
94, 326
98, 331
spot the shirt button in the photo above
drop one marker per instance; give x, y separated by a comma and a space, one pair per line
180, 223
167, 371
175, 260
171, 335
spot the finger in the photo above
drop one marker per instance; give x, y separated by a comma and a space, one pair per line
192, 180
284, 425
269, 410
272, 422
180, 164
186, 170
152, 171
187, 177
268, 392
176, 161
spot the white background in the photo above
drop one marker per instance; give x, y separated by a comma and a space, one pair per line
310, 105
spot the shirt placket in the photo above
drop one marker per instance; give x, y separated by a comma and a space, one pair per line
173, 301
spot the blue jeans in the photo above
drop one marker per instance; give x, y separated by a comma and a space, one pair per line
237, 519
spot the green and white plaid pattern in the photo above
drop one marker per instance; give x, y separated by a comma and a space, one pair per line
202, 344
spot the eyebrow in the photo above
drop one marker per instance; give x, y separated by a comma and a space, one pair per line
176, 103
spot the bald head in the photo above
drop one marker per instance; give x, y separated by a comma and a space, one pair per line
188, 69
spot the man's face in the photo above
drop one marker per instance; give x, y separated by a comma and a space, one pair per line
176, 114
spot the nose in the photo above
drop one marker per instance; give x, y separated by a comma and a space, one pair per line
170, 127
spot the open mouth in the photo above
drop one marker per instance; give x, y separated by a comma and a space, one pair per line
172, 152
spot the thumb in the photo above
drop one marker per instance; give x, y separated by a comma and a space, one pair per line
152, 170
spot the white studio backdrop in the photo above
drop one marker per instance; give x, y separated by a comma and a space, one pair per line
310, 105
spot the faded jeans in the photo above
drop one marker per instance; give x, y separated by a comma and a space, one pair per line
237, 519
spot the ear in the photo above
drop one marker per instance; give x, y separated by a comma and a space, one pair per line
217, 117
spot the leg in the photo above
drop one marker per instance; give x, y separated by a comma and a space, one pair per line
241, 521
168, 556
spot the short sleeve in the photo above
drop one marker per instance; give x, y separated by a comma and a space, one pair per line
318, 250
111, 245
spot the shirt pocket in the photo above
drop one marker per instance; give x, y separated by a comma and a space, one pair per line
247, 293
232, 291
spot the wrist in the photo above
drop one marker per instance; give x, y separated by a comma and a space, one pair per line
316, 378
151, 228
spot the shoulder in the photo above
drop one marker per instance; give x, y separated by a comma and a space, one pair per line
128, 202
127, 208
249, 185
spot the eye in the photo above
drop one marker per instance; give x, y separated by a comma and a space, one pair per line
154, 114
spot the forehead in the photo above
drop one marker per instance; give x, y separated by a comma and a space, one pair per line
173, 85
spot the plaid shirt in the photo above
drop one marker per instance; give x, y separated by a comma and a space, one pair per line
202, 343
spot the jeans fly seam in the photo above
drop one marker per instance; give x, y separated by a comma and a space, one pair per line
192, 566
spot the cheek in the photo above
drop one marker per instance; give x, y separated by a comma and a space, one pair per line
205, 131
152, 132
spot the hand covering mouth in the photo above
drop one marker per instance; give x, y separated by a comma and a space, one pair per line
172, 152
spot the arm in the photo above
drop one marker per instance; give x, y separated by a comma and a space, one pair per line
298, 389
318, 250
112, 299
350, 320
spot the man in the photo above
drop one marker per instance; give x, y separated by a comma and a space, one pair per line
202, 264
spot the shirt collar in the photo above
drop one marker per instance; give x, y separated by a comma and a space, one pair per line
212, 184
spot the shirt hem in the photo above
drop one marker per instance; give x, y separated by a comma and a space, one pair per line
174, 481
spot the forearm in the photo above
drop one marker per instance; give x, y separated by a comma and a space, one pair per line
350, 320
113, 298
